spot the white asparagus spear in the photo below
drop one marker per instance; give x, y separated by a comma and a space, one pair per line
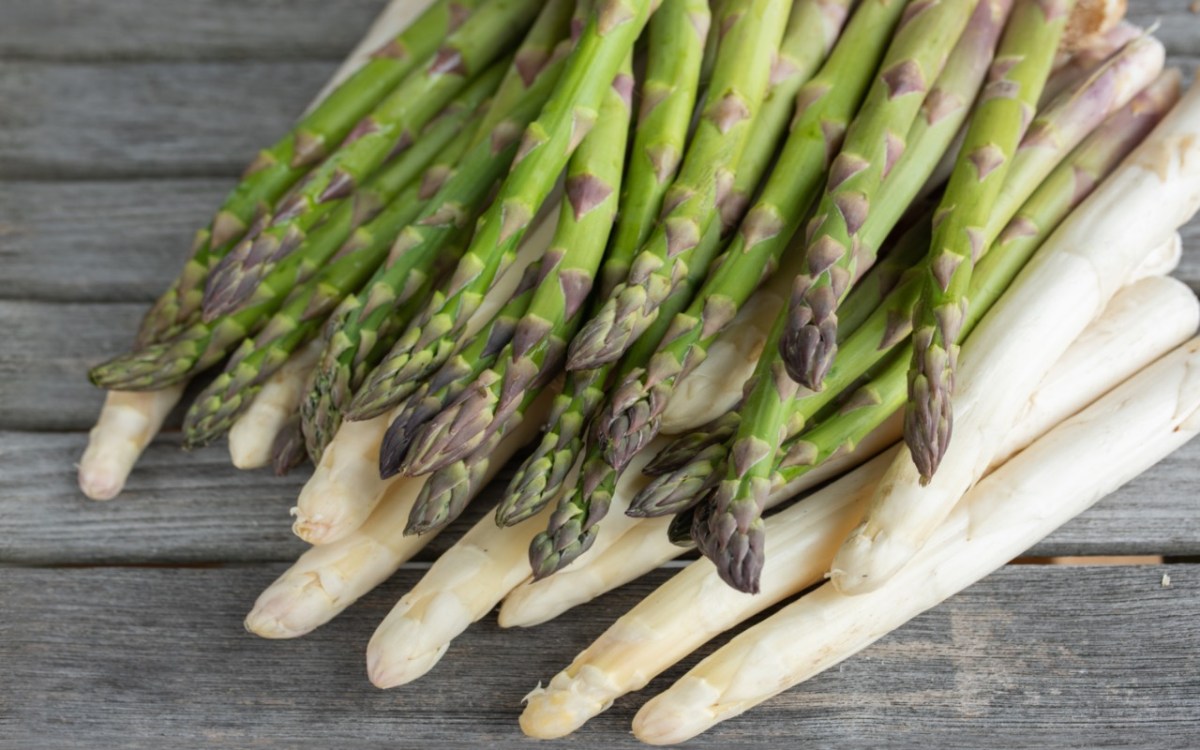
1059, 476
253, 433
129, 420
1142, 323
327, 579
1162, 260
345, 487
1066, 284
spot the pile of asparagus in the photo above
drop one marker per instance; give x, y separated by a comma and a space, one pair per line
704, 257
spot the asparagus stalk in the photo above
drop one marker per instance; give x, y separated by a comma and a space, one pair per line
253, 434
330, 577
1055, 479
608, 38
875, 140
538, 343
1146, 199
1144, 321
1007, 104
756, 250
361, 84
346, 485
391, 127
206, 343
365, 325
675, 47
751, 35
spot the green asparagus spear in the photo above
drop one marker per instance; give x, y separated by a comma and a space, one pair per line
389, 128
363, 328
751, 35
275, 169
874, 142
1007, 105
593, 182
608, 38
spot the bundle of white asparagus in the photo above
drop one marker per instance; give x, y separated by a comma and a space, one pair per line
920, 249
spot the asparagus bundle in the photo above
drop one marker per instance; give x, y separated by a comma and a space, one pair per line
381, 330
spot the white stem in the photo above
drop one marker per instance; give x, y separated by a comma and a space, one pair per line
128, 421
695, 605
1059, 476
327, 579
345, 486
1066, 284
1162, 260
253, 433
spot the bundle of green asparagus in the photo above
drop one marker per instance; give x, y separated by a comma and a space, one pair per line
714, 255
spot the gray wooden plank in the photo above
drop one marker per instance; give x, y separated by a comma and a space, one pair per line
99, 241
178, 508
1033, 656
195, 508
44, 356
146, 119
103, 30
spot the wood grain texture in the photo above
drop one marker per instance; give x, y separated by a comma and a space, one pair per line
1030, 657
194, 507
104, 30
123, 120
99, 241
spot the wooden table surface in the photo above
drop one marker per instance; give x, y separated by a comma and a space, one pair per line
122, 124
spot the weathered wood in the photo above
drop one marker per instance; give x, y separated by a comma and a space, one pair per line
194, 507
146, 119
102, 30
1034, 656
101, 241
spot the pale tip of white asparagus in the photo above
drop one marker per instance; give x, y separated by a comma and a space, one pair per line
127, 423
866, 561
405, 648
567, 703
678, 714
289, 607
